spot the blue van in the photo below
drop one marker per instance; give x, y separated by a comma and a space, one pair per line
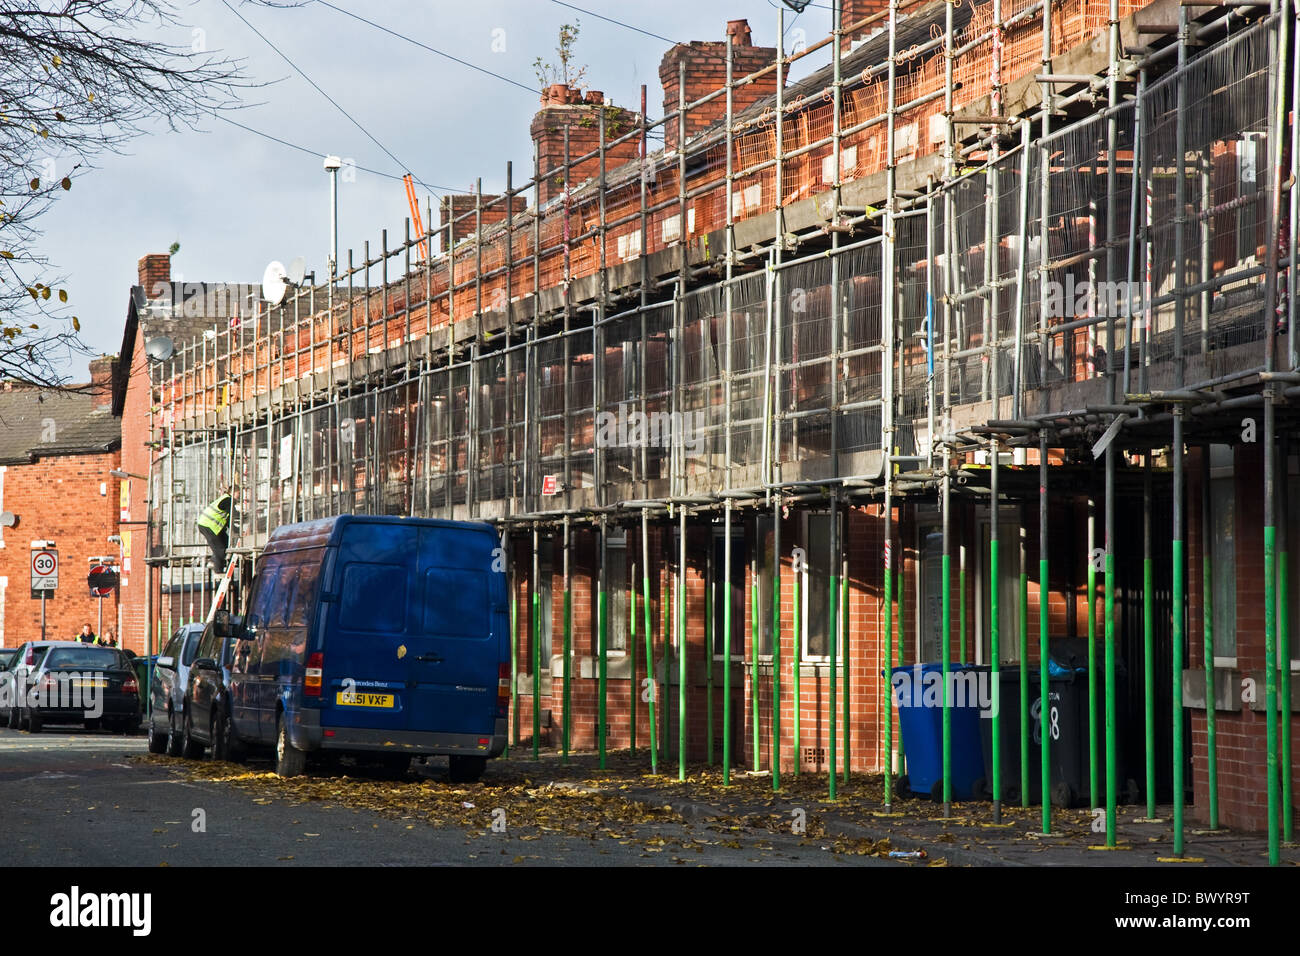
372, 635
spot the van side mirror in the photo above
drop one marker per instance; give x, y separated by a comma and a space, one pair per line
225, 624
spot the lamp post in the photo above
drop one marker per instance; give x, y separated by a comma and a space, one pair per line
332, 165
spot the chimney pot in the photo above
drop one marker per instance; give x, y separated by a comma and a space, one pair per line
739, 32
595, 97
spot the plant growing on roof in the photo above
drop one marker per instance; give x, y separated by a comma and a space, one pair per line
565, 71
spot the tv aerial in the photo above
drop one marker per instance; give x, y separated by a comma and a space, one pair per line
277, 280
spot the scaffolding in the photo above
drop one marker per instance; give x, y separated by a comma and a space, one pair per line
949, 268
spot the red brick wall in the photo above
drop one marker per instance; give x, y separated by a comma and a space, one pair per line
706, 71
1240, 737
57, 499
135, 459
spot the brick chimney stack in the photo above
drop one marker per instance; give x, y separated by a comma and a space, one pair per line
102, 372
564, 107
462, 205
706, 71
851, 11
155, 274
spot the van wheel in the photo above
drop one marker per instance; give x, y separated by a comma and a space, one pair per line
289, 760
174, 742
13, 718
157, 741
464, 769
33, 723
191, 749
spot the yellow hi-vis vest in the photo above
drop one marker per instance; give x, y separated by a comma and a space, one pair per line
216, 515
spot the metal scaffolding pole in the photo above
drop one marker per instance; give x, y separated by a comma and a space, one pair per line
681, 648
1045, 712
602, 701
726, 644
651, 685
776, 642
832, 629
995, 634
567, 728
1176, 451
537, 646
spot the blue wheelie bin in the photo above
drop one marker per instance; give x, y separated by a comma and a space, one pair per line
918, 693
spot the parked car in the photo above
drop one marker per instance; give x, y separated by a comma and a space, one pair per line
373, 635
83, 684
207, 696
171, 673
14, 681
7, 656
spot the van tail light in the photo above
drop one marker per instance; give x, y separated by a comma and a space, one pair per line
130, 686
503, 690
311, 684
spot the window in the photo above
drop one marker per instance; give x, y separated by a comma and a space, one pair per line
208, 644
930, 609
1223, 554
545, 572
766, 539
616, 609
732, 590
173, 646
816, 586
191, 647
260, 609
373, 598
1008, 586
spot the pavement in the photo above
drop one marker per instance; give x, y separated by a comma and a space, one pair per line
967, 836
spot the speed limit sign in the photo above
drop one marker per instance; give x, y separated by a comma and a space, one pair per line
45, 569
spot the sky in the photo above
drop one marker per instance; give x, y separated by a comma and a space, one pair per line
234, 200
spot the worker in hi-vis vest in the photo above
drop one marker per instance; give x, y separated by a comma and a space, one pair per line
214, 525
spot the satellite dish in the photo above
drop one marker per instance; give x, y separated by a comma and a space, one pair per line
159, 349
297, 270
274, 283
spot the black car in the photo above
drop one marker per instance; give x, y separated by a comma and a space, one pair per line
207, 700
83, 684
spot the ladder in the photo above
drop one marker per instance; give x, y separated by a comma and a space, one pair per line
219, 598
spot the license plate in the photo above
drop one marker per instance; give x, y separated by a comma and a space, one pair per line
363, 700
81, 682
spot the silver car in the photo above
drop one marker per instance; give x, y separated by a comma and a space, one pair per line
171, 674
14, 680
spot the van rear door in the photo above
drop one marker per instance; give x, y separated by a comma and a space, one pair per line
455, 652
366, 646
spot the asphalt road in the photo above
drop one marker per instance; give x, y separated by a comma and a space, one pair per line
70, 798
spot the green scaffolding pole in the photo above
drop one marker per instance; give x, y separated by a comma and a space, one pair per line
945, 636
1094, 771
797, 571
681, 651
708, 654
602, 638
726, 647
1044, 620
1270, 635
888, 630
902, 578
567, 726
651, 684
1149, 651
631, 653
537, 651
848, 670
1024, 663
1112, 728
832, 628
776, 643
995, 630
753, 646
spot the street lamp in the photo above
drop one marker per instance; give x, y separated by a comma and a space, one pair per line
119, 473
332, 166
